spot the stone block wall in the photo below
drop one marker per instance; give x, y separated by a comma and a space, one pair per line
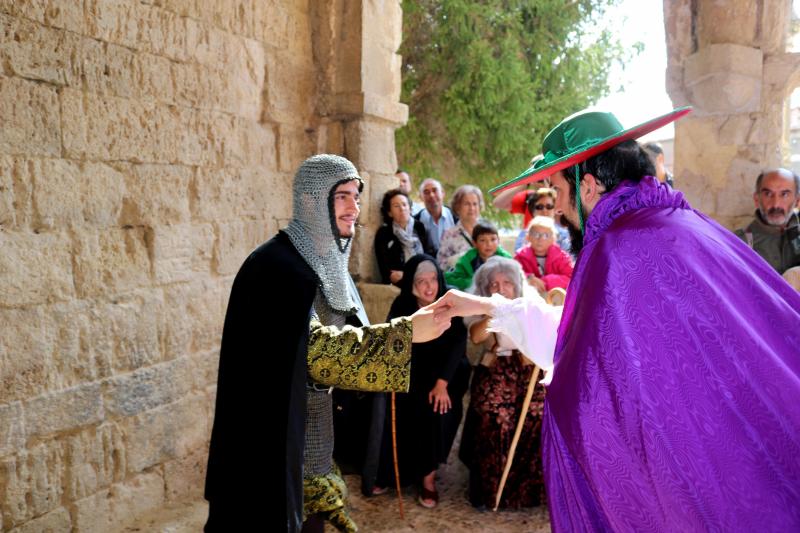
729, 61
145, 148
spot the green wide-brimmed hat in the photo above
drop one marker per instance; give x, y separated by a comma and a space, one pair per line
581, 136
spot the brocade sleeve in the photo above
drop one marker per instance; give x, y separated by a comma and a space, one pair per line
373, 359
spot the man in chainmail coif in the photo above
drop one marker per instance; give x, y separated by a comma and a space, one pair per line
283, 344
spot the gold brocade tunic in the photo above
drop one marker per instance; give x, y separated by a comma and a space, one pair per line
373, 359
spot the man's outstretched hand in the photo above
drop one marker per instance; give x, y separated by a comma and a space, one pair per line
457, 303
431, 321
425, 326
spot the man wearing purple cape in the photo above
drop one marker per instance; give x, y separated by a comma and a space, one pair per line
674, 394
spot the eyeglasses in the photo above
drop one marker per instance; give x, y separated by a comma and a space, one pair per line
544, 207
537, 235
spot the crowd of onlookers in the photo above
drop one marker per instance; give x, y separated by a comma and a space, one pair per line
461, 241
425, 248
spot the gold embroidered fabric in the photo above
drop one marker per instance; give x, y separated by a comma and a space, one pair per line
373, 359
326, 495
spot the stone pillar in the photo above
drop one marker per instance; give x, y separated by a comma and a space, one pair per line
355, 46
728, 60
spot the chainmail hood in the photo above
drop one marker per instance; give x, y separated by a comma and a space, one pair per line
313, 231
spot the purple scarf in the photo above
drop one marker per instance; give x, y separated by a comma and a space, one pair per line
675, 403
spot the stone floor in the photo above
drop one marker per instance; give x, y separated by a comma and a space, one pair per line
381, 513
187, 517
453, 514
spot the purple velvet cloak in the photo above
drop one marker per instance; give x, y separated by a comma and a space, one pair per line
675, 403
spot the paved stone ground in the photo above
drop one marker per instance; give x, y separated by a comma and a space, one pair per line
453, 514
187, 517
380, 513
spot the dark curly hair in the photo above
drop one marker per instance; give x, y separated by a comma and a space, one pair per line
386, 203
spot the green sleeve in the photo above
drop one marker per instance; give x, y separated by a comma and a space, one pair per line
502, 252
461, 276
374, 359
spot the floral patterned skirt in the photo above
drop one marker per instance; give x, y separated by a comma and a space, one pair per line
496, 398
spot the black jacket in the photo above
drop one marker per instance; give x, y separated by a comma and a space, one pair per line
389, 251
253, 485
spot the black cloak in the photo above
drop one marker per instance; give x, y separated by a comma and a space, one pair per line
255, 484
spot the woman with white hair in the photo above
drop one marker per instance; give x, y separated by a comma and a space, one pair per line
456, 241
497, 393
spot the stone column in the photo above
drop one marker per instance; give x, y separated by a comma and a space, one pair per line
729, 61
355, 46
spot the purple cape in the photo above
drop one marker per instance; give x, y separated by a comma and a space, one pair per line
675, 403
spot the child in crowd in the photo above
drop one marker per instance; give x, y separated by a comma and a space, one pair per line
545, 264
487, 244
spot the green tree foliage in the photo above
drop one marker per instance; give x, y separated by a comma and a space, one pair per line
485, 80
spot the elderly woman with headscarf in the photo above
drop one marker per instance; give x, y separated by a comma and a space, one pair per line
497, 393
399, 238
429, 414
456, 241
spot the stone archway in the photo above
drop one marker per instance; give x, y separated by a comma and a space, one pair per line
729, 60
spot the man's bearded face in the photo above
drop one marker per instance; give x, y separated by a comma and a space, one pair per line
575, 233
776, 198
567, 212
346, 207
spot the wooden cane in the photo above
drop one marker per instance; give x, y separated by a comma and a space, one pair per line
396, 465
517, 433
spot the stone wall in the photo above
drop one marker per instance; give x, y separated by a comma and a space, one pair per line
729, 61
145, 148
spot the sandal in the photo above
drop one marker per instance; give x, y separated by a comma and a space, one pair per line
378, 491
428, 498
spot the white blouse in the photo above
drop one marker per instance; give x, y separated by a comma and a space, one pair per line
532, 326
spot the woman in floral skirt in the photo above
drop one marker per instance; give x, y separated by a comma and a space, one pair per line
498, 389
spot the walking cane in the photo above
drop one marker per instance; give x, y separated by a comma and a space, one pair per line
517, 433
396, 465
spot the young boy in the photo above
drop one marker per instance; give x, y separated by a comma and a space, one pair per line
545, 264
487, 244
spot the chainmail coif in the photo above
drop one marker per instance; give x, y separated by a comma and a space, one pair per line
313, 231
